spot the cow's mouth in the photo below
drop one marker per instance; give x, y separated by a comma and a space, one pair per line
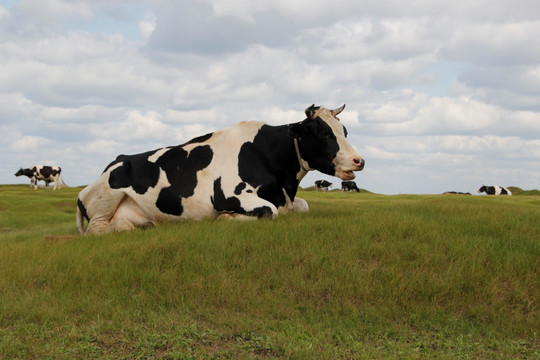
347, 175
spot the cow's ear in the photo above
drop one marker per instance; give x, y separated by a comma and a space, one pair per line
310, 111
297, 130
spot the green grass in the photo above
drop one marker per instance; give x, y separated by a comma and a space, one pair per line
361, 276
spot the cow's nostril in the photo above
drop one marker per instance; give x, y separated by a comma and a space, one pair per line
357, 161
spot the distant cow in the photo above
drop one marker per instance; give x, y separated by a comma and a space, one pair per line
46, 173
322, 185
456, 193
349, 186
494, 190
247, 170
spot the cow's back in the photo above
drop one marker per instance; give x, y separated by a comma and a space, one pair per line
170, 183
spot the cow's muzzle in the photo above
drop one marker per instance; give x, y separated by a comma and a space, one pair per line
359, 163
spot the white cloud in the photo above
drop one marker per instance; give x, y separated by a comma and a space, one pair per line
29, 143
493, 44
147, 25
134, 126
432, 89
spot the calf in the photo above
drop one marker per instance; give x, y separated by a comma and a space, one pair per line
349, 186
46, 173
247, 170
494, 190
322, 185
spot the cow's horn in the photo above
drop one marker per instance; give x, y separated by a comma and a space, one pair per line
310, 111
338, 110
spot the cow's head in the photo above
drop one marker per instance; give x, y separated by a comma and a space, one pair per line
482, 189
323, 145
20, 172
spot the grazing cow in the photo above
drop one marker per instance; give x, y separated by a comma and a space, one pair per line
494, 190
247, 170
456, 193
322, 185
349, 186
46, 173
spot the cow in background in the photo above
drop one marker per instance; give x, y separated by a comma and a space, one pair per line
322, 185
349, 186
494, 190
46, 173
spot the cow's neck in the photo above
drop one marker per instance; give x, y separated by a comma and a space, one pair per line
285, 156
304, 166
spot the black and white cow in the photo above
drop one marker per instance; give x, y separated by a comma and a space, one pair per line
349, 186
46, 173
247, 170
322, 185
494, 190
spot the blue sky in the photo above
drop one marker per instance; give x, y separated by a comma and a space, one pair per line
440, 96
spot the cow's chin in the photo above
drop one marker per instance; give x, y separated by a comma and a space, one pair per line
346, 175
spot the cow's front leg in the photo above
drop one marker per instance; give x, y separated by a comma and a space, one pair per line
244, 207
241, 204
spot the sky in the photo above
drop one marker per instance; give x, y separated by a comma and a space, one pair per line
440, 95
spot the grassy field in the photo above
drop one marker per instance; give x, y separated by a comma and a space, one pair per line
362, 276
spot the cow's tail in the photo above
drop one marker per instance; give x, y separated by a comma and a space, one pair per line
81, 215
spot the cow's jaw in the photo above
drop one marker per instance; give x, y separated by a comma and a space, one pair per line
347, 162
346, 175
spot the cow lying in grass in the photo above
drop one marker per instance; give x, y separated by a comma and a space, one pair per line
247, 170
494, 190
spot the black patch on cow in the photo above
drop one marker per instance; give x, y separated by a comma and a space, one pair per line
269, 164
136, 171
169, 201
238, 189
222, 203
181, 170
199, 139
490, 190
82, 209
504, 191
233, 205
48, 171
179, 165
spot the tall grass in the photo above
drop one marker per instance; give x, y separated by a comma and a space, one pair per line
359, 276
